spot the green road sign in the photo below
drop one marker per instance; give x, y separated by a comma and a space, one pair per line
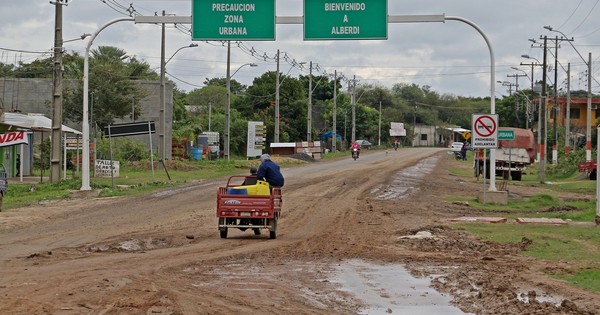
506, 135
233, 20
326, 19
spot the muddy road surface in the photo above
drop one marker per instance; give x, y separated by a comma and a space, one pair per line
161, 253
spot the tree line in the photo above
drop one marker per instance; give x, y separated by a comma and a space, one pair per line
112, 72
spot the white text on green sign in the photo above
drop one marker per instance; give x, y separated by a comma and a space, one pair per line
506, 134
325, 20
233, 20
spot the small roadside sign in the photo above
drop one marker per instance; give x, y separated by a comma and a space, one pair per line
485, 131
506, 135
130, 129
466, 135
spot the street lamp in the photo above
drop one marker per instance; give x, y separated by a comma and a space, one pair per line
82, 37
228, 110
180, 48
509, 84
85, 125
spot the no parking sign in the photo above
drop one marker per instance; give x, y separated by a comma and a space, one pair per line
485, 131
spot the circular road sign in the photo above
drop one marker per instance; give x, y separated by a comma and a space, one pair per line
485, 126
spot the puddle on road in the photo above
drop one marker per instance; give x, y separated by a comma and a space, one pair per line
406, 182
390, 289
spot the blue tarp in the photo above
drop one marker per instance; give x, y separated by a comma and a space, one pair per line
328, 135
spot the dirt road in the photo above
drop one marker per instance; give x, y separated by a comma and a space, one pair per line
161, 253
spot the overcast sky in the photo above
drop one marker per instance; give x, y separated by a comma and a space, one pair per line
451, 57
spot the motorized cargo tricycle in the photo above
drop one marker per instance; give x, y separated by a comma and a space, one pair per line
248, 207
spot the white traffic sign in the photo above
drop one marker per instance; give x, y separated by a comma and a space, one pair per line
485, 131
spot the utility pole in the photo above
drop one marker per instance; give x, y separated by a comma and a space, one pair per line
588, 129
334, 133
568, 112
276, 139
353, 100
57, 97
309, 120
228, 105
379, 136
162, 115
532, 65
516, 76
555, 107
543, 117
415, 126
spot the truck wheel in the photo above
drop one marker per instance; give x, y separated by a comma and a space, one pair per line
593, 175
273, 229
516, 175
256, 231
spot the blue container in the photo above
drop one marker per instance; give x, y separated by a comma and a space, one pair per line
237, 191
196, 153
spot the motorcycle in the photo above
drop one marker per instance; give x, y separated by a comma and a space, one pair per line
355, 153
458, 155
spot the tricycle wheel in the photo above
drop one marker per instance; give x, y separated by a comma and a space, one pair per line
222, 230
273, 229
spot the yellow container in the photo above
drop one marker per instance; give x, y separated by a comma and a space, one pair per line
261, 188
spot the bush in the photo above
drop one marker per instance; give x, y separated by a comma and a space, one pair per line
567, 165
124, 150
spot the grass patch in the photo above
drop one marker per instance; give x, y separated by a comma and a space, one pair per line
20, 195
587, 279
134, 179
577, 244
538, 206
564, 242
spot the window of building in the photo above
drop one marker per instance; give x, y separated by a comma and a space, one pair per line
575, 113
423, 137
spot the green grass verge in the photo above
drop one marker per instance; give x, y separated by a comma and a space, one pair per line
588, 279
579, 245
134, 179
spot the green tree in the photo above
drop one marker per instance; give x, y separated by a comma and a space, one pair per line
259, 100
236, 87
213, 97
40, 68
110, 85
6, 70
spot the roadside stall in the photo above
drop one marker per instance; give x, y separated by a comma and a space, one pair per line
17, 134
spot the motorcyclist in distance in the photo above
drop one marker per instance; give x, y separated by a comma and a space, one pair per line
355, 145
